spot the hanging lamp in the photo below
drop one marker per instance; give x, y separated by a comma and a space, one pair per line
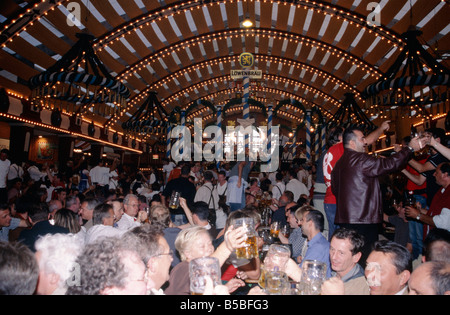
415, 79
349, 114
79, 82
150, 118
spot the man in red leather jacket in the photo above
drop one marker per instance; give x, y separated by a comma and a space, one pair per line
354, 182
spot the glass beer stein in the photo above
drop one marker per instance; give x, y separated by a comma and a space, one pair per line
250, 249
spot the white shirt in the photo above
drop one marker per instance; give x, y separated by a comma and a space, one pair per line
168, 168
113, 183
287, 156
302, 176
15, 171
127, 223
102, 231
208, 194
152, 179
297, 188
273, 178
222, 189
277, 190
442, 221
100, 175
4, 170
35, 173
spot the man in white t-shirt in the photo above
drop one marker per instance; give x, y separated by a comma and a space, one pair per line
113, 179
167, 168
4, 170
207, 192
100, 174
279, 187
297, 187
222, 183
15, 171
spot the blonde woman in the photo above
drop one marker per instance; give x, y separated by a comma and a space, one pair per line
67, 219
195, 242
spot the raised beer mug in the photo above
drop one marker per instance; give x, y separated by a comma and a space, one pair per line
250, 249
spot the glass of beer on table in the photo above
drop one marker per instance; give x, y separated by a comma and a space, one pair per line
276, 261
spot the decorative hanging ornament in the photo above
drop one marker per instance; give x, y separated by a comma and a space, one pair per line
416, 78
349, 114
79, 78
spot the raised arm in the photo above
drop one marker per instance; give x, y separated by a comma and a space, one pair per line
234, 238
373, 137
240, 169
422, 168
440, 148
416, 179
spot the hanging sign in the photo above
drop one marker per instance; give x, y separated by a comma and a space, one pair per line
252, 74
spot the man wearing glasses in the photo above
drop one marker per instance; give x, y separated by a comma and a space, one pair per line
155, 252
132, 217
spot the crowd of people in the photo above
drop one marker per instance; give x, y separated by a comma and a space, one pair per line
381, 224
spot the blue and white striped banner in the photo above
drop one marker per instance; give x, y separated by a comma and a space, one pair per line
324, 138
308, 135
169, 141
183, 123
220, 138
316, 144
269, 129
246, 106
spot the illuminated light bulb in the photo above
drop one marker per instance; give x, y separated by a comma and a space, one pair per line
247, 23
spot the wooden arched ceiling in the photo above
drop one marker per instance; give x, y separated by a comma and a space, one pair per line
314, 51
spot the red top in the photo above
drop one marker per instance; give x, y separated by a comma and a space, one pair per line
175, 173
409, 184
329, 161
229, 273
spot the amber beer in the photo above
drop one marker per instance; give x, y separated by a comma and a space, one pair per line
275, 228
174, 202
262, 278
250, 250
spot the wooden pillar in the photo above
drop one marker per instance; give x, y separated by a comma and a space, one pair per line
20, 140
66, 145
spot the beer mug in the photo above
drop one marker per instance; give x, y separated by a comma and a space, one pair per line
286, 230
313, 275
277, 258
199, 270
275, 228
174, 202
276, 283
250, 249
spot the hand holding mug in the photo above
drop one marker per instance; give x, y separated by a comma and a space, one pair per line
411, 212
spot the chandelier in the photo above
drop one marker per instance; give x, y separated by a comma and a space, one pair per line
349, 114
79, 82
415, 80
150, 119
